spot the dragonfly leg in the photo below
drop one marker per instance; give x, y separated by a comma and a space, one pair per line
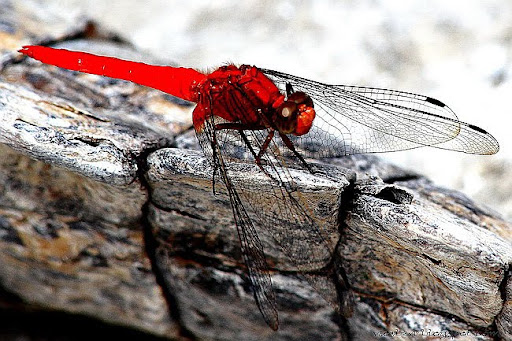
290, 146
213, 144
241, 127
236, 126
215, 168
263, 148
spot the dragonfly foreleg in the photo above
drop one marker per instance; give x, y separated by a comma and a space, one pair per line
263, 148
241, 127
291, 147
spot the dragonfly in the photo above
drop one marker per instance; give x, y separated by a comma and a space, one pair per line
278, 121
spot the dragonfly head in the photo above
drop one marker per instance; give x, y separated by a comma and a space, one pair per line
296, 114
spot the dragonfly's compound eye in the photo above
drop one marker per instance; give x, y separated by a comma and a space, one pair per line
286, 118
300, 98
305, 112
288, 109
296, 114
305, 119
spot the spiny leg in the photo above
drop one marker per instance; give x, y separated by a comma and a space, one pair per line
264, 147
236, 126
290, 146
241, 127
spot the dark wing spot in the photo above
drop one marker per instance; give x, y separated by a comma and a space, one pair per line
480, 130
435, 102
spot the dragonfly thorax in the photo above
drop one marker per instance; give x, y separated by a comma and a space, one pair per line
247, 97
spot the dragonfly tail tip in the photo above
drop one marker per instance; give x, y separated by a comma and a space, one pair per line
26, 50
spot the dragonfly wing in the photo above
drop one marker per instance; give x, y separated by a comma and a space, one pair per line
266, 202
353, 120
280, 211
252, 249
272, 199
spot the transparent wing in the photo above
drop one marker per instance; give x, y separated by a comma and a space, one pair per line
280, 210
354, 120
271, 198
252, 249
254, 258
269, 204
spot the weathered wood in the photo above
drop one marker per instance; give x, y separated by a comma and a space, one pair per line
504, 319
75, 153
420, 255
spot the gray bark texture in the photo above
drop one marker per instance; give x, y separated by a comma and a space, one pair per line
108, 210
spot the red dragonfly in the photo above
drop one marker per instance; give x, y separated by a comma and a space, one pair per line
278, 120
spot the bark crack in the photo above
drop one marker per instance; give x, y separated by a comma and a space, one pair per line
151, 247
387, 302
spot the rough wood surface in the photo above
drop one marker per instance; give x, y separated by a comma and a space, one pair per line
88, 180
